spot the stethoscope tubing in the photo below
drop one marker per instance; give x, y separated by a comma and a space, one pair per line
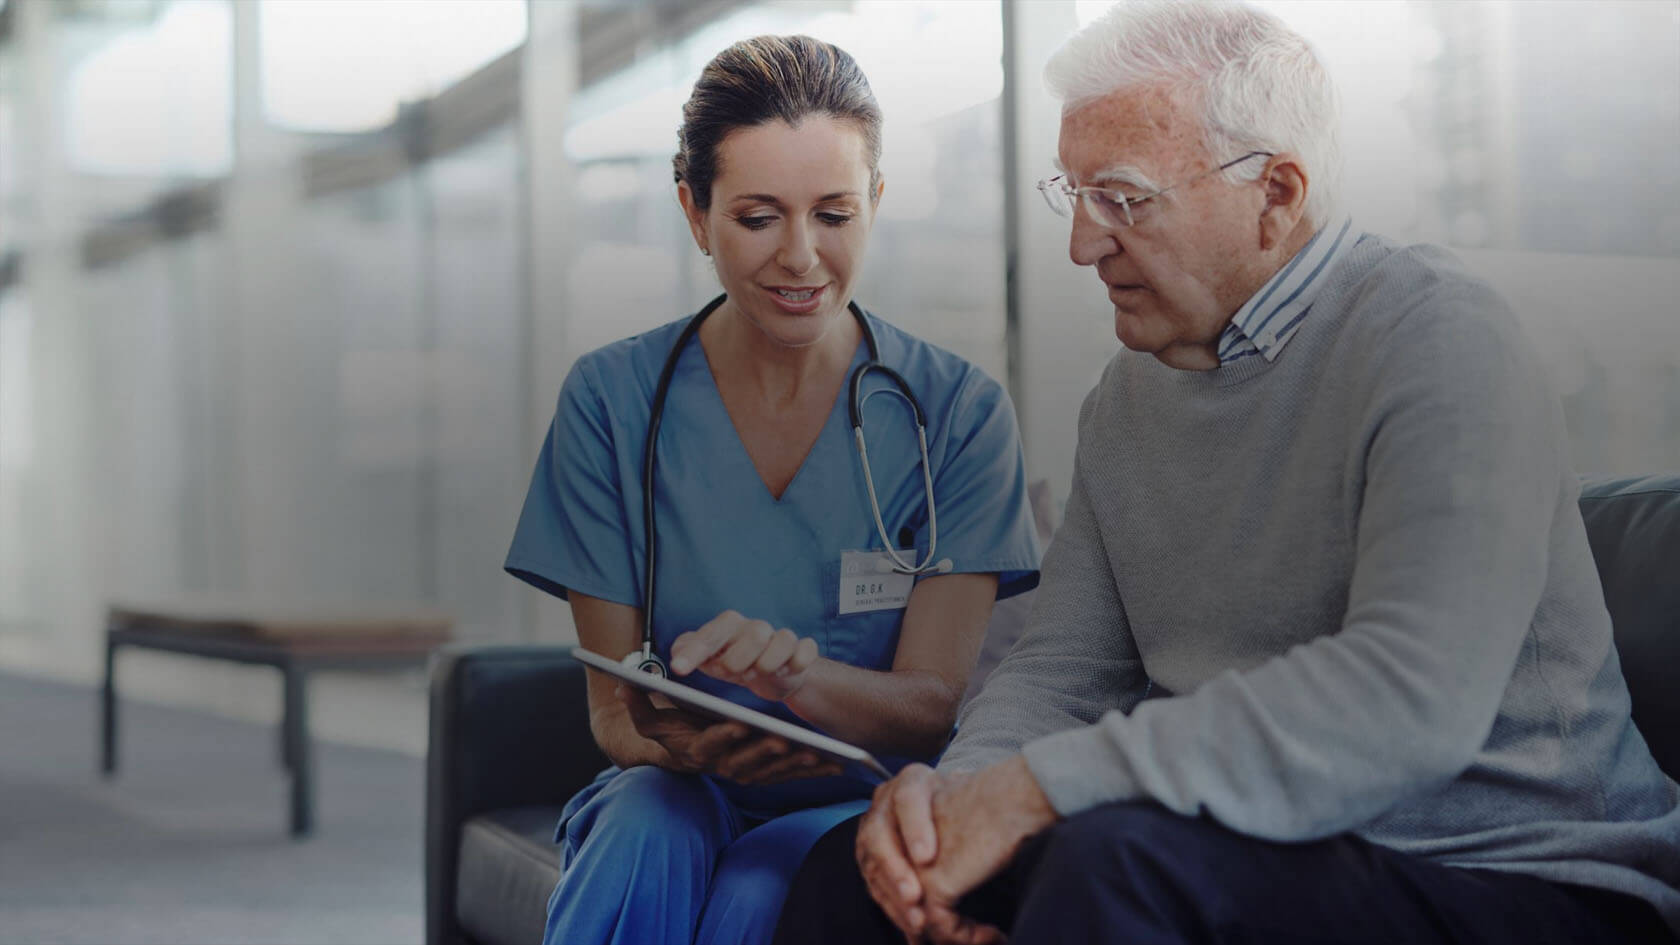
645, 659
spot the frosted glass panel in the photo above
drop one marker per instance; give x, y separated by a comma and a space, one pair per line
348, 65
476, 291
139, 372
157, 99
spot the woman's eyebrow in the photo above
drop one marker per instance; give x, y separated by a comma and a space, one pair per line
758, 198
777, 201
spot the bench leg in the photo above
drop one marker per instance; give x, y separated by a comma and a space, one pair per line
295, 734
108, 714
285, 747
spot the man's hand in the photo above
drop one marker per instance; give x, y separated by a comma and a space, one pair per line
929, 839
695, 744
894, 836
772, 663
981, 821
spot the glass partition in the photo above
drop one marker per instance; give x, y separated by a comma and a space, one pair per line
140, 362
414, 387
475, 262
20, 569
348, 65
155, 99
360, 393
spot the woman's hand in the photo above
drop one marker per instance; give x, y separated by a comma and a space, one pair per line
731, 750
772, 663
692, 742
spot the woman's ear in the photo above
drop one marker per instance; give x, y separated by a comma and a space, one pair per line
1287, 187
696, 216
875, 198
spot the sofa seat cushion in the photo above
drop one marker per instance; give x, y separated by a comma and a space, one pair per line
508, 867
1634, 527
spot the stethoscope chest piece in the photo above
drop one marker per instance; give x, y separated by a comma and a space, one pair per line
643, 661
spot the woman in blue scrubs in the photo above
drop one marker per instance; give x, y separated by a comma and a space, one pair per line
763, 520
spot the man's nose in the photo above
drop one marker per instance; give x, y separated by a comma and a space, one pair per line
1089, 241
798, 252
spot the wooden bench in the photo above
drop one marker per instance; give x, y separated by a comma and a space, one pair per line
293, 640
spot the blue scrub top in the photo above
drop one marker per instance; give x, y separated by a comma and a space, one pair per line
725, 543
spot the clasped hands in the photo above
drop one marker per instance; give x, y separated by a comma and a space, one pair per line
930, 838
772, 664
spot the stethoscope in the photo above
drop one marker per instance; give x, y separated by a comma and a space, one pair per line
645, 659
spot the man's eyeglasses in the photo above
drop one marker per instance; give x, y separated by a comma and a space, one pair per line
1110, 207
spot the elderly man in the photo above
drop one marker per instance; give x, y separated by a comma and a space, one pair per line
1320, 652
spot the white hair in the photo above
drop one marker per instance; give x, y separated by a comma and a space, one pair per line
1258, 84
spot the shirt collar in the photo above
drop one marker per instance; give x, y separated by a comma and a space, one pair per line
1271, 316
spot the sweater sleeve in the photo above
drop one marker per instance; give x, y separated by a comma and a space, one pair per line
1464, 470
1075, 659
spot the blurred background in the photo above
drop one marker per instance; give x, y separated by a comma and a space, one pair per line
288, 288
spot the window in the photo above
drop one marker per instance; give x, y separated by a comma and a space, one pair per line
157, 100
346, 66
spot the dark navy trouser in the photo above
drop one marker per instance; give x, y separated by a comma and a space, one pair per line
1138, 874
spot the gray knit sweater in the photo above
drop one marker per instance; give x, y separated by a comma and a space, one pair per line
1348, 590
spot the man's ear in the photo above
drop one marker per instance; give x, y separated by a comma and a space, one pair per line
696, 216
1287, 186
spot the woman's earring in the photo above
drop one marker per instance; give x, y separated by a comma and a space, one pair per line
704, 251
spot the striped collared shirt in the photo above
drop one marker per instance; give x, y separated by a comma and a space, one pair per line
1267, 321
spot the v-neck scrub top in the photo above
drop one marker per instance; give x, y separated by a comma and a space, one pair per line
726, 543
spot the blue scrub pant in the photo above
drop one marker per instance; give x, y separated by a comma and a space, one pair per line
649, 855
1138, 874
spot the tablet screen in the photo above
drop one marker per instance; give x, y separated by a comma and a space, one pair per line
707, 704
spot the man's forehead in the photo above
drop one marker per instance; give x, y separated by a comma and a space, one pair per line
1146, 127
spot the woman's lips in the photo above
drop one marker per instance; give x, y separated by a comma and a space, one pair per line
797, 300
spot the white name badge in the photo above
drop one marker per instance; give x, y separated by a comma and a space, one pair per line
866, 585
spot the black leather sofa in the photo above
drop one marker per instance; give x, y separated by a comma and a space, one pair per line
510, 735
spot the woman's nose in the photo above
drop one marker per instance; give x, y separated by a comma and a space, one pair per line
798, 252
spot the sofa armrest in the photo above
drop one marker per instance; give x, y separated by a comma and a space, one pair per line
509, 728
1633, 525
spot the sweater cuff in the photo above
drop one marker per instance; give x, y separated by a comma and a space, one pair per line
963, 762
1080, 768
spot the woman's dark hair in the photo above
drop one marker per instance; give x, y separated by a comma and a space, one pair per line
767, 78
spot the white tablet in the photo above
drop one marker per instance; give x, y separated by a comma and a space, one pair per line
707, 704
